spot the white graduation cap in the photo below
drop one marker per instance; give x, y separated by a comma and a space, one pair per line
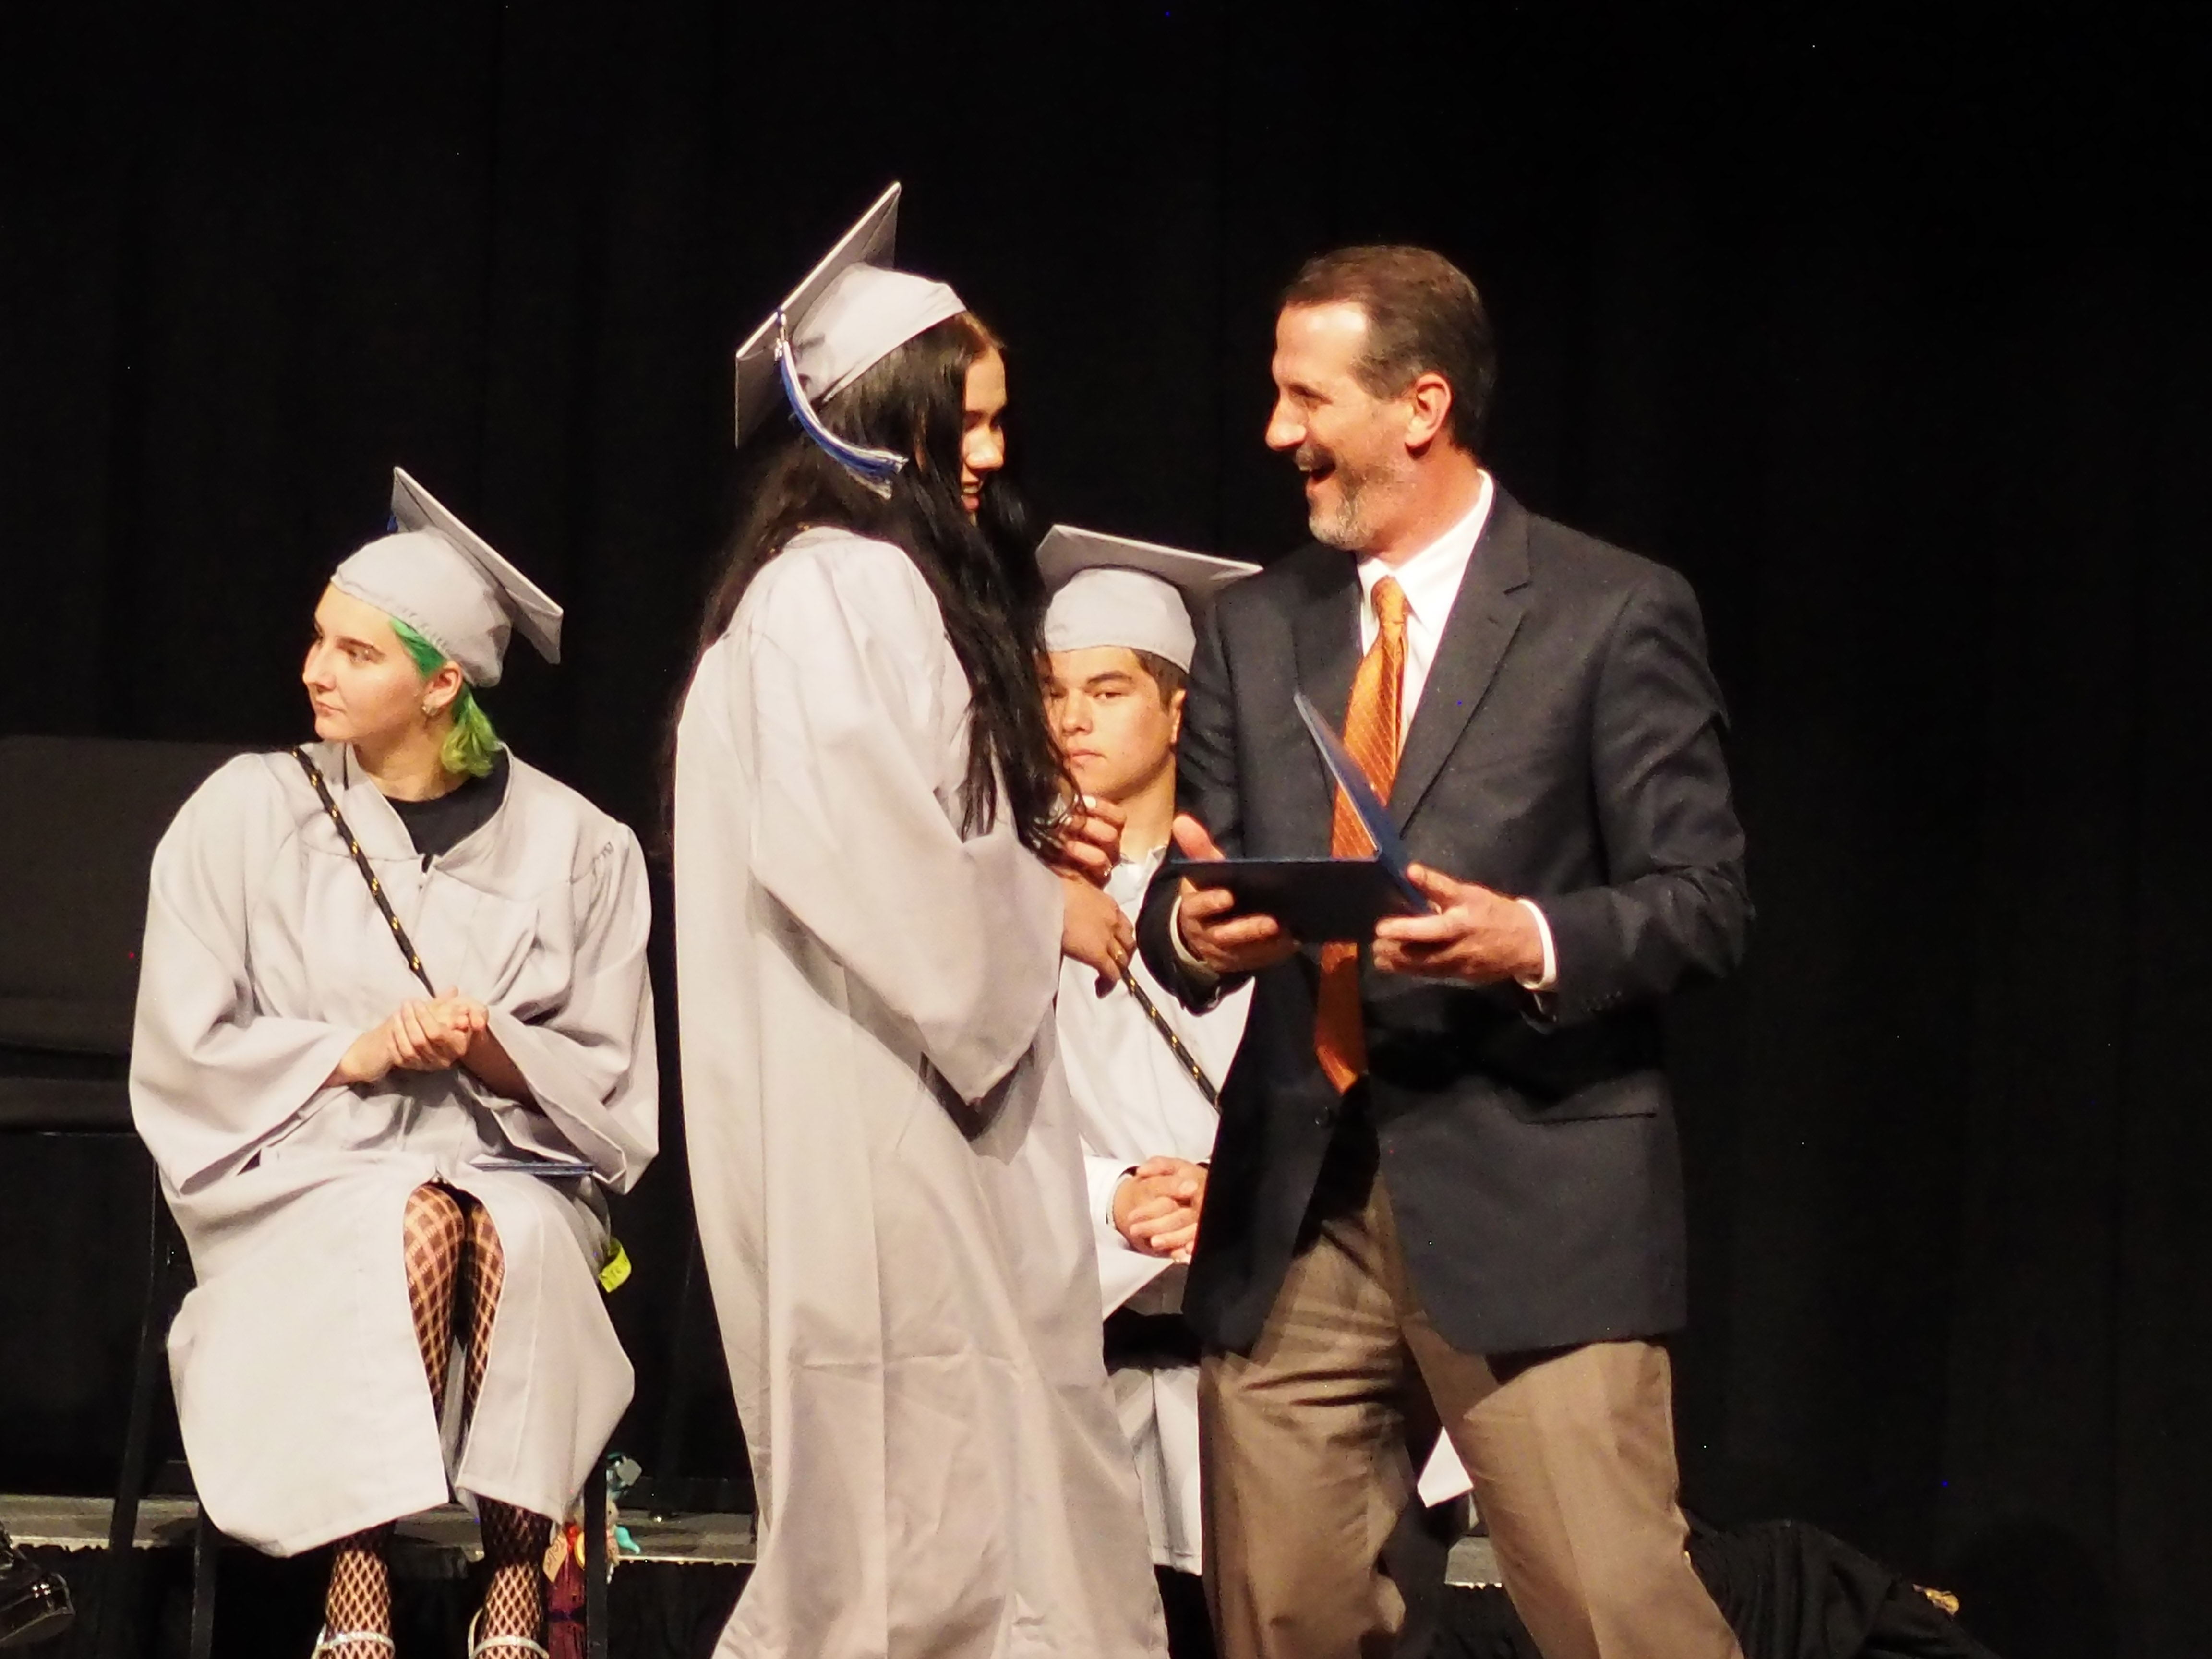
1109, 590
439, 577
851, 311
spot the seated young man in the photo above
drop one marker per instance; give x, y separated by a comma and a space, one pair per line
1119, 638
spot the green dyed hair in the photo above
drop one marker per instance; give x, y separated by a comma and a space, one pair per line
471, 746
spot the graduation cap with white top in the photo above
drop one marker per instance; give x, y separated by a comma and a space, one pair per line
1109, 590
851, 311
443, 580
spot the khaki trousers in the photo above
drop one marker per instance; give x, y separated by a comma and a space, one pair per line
1308, 1449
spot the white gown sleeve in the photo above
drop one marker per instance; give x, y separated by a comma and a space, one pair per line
589, 1056
959, 938
1123, 1269
211, 1076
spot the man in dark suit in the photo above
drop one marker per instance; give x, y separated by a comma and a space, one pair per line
1447, 1189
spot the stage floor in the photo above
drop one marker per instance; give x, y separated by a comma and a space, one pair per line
440, 1543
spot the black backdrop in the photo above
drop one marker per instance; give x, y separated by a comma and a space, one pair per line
1891, 333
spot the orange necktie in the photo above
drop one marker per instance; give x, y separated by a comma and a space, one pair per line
1371, 732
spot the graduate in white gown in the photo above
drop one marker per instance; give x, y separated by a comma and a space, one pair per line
870, 923
1120, 637
372, 1171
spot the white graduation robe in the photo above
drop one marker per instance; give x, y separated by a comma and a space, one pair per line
299, 1386
1134, 1100
884, 1157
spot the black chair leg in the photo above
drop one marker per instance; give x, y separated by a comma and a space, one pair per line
207, 1544
596, 1568
115, 1609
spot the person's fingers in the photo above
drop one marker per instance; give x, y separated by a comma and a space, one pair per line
1402, 957
1436, 927
1159, 1166
1176, 1242
1201, 905
1191, 837
1177, 1227
1239, 932
1149, 1211
404, 1052
1095, 828
428, 1035
1444, 889
1091, 863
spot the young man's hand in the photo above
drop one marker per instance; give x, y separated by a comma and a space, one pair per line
1156, 1208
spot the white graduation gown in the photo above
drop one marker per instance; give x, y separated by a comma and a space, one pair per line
299, 1386
1133, 1100
884, 1159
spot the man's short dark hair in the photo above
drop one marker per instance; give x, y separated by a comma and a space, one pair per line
1167, 676
1423, 315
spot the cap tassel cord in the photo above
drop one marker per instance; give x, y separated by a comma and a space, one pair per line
875, 468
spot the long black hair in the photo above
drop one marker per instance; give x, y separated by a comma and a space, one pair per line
981, 571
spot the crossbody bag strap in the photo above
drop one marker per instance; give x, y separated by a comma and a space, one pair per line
1159, 1020
360, 862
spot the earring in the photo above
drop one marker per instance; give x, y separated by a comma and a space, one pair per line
430, 711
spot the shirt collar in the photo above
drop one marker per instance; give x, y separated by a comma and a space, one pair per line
1430, 579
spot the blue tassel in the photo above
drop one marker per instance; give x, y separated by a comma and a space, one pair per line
875, 468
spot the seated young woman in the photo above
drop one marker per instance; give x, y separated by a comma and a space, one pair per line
394, 1045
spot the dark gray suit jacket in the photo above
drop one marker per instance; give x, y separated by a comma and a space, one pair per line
1566, 748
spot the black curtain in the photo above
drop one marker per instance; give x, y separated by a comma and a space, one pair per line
1888, 328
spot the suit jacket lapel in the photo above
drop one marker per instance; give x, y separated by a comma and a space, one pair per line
1484, 618
1325, 638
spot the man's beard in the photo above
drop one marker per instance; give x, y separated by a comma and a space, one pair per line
1350, 523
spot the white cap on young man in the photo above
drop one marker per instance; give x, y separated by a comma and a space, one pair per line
1109, 590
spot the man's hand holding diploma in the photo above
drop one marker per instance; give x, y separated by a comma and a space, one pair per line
1473, 935
1223, 944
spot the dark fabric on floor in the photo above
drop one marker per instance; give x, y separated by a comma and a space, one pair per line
1789, 1591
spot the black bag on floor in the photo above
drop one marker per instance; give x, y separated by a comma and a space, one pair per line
34, 1604
1788, 1590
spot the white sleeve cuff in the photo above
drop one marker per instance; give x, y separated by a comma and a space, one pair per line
1105, 1177
1551, 978
1191, 965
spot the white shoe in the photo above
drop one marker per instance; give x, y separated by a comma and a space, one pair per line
515, 1643
326, 1643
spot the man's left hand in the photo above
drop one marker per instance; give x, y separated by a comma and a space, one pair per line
1475, 936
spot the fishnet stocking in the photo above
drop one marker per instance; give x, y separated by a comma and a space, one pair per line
514, 1540
487, 1280
437, 1231
433, 1232
360, 1594
515, 1543
447, 1239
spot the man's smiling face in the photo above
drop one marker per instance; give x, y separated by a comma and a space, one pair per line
1349, 444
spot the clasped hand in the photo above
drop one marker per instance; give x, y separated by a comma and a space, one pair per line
1156, 1208
426, 1034
1472, 935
